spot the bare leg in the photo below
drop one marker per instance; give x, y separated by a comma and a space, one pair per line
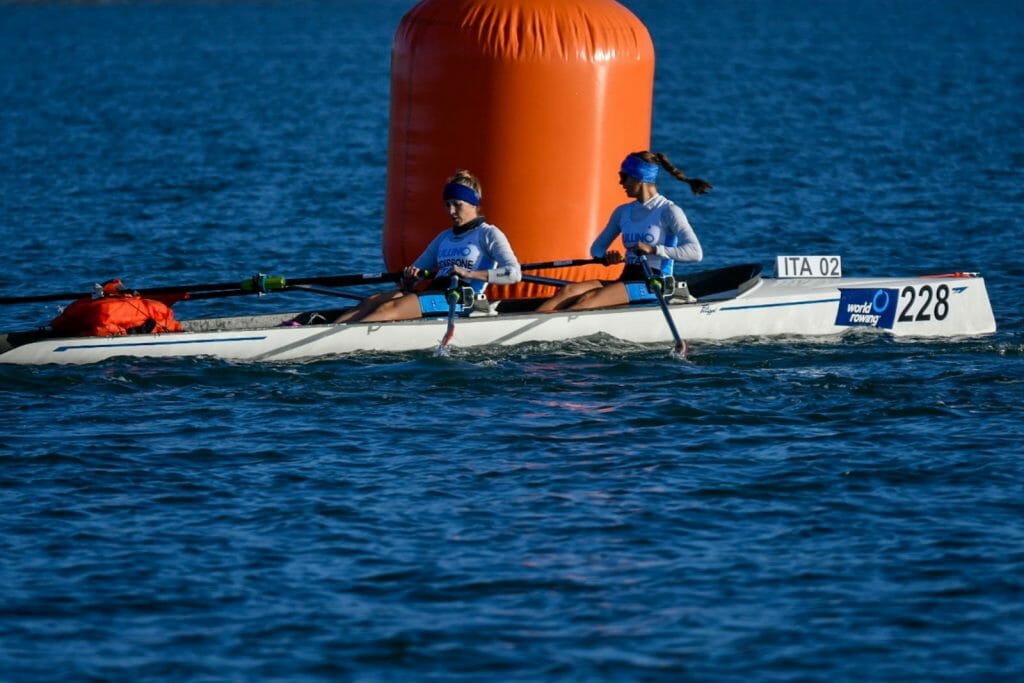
613, 294
568, 295
406, 306
367, 306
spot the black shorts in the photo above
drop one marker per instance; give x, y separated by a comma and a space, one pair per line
437, 284
633, 272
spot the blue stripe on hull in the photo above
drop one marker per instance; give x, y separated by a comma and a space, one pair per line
61, 349
791, 303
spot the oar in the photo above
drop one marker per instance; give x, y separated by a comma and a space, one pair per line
561, 264
325, 290
554, 282
220, 294
656, 286
545, 280
254, 285
291, 285
269, 283
453, 297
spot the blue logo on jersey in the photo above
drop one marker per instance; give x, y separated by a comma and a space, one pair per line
867, 308
454, 252
631, 239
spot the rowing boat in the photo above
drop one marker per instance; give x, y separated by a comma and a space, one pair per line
720, 304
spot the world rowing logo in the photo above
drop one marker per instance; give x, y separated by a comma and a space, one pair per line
867, 308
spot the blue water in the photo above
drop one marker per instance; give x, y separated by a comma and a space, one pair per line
841, 511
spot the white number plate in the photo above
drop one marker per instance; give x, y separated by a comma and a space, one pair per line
808, 266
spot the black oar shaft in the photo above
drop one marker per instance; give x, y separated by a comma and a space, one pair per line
324, 290
253, 285
453, 300
656, 286
561, 264
38, 298
554, 282
347, 280
260, 283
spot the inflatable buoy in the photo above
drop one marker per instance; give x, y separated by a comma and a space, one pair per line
540, 100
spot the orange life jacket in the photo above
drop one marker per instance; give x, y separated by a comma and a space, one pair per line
114, 314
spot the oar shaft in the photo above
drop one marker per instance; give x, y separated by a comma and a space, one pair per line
453, 300
324, 290
347, 280
251, 285
680, 344
38, 298
561, 264
554, 282
267, 283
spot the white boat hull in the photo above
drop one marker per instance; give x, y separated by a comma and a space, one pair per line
941, 306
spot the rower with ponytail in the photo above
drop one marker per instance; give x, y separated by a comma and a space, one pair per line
651, 225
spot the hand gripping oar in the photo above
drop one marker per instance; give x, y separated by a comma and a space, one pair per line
452, 295
656, 286
257, 284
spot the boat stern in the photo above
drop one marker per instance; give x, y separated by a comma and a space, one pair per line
950, 305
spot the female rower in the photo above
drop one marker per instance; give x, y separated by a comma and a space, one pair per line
476, 251
651, 225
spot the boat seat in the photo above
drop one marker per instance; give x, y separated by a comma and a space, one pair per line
681, 294
729, 281
516, 305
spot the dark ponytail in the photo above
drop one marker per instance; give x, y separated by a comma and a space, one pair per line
697, 185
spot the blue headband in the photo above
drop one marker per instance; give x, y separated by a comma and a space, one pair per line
462, 193
637, 168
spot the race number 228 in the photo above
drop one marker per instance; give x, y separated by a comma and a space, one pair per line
924, 303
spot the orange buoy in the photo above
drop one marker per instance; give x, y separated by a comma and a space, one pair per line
541, 100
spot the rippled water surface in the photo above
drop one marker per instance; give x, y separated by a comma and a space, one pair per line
785, 511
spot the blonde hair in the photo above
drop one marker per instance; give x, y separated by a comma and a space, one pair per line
697, 185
